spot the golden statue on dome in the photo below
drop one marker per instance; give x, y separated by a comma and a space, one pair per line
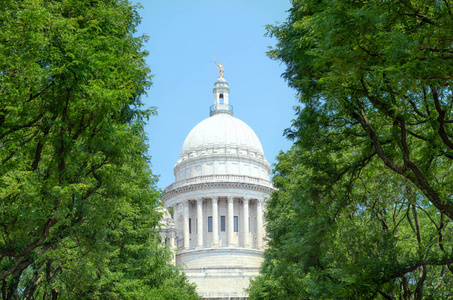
219, 65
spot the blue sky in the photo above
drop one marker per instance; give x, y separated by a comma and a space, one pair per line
184, 38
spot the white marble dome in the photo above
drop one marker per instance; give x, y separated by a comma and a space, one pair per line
222, 129
224, 146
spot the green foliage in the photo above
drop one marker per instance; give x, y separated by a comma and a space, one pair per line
378, 72
365, 205
368, 234
79, 215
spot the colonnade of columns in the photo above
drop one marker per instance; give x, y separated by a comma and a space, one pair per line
230, 222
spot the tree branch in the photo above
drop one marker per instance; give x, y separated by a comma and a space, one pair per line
441, 119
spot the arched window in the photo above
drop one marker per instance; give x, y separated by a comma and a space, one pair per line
221, 98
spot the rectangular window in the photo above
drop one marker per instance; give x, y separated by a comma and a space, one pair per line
236, 224
222, 223
209, 224
190, 225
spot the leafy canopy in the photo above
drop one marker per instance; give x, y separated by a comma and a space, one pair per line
365, 204
78, 200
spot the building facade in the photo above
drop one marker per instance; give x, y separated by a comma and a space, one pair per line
215, 221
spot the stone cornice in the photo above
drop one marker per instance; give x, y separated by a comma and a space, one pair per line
219, 178
170, 193
187, 270
222, 250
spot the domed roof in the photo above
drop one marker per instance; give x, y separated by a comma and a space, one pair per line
221, 82
221, 149
222, 129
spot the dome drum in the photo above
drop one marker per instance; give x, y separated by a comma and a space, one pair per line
221, 161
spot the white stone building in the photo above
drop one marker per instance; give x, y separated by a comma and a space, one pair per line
216, 202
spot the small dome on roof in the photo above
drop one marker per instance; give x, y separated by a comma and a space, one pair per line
221, 81
221, 85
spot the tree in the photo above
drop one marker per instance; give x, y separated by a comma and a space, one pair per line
364, 206
78, 215
379, 71
368, 234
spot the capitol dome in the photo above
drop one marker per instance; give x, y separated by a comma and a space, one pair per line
222, 129
221, 147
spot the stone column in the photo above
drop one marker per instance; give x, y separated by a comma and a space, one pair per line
200, 222
259, 223
215, 222
173, 247
186, 225
172, 240
230, 221
245, 202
